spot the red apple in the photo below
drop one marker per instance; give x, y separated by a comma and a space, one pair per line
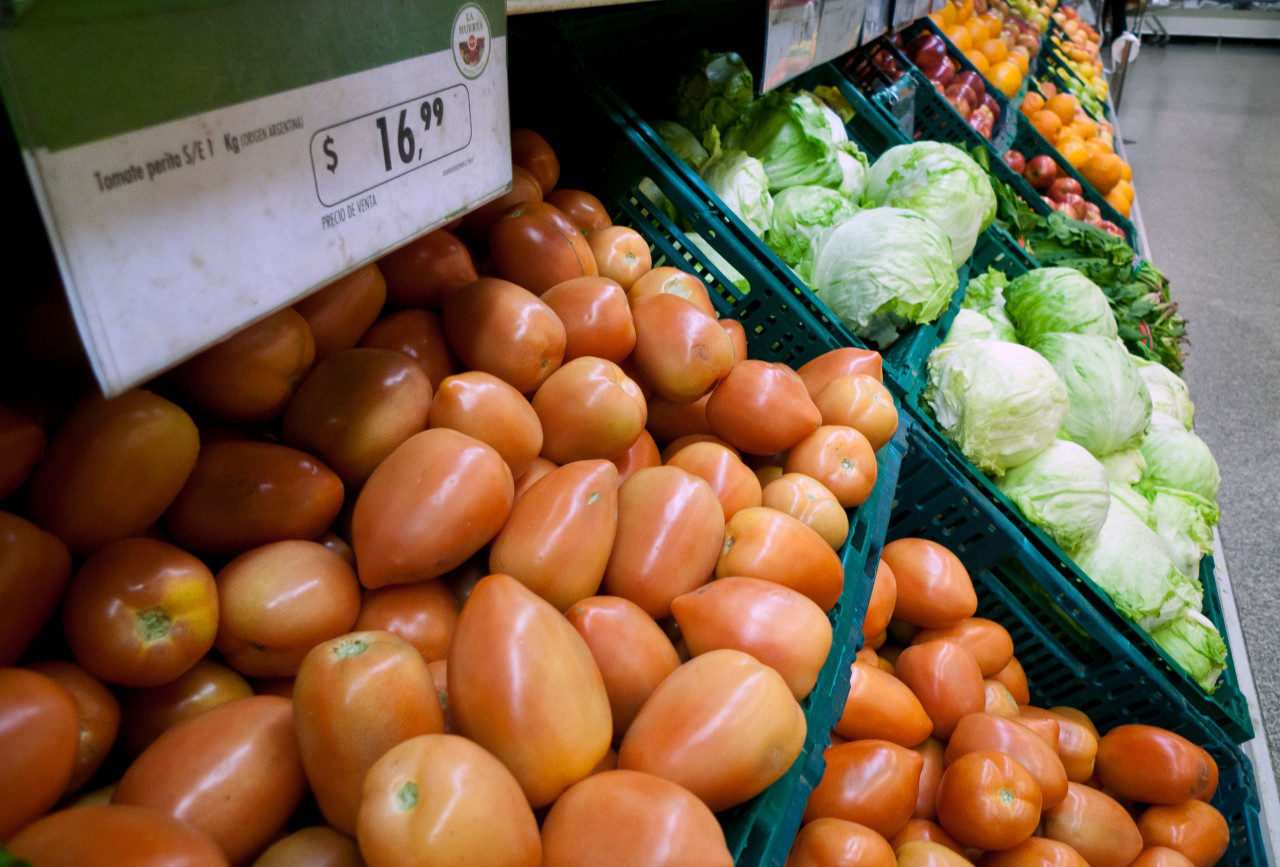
1016, 161
990, 102
1041, 172
1064, 186
1112, 229
972, 79
943, 72
1076, 203
1092, 213
926, 49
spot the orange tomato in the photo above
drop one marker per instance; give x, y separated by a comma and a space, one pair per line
525, 187
673, 281
861, 402
925, 853
883, 707
830, 842
681, 350
772, 545
927, 831
1076, 744
1193, 828
132, 835
531, 152
485, 407
419, 334
1095, 825
439, 669
22, 442
988, 800
809, 502
537, 468
589, 408
884, 596
931, 754
984, 731
871, 782
669, 420
819, 371
39, 743
504, 329
934, 588
722, 725
423, 614
946, 679
596, 316
1014, 679
734, 484
1035, 850
35, 567
148, 713
98, 713
441, 799
435, 501
1159, 856
762, 408
1155, 766
998, 699
988, 641
422, 272
536, 245
779, 627
356, 697
840, 458
340, 313
622, 254
585, 211
738, 334
643, 453
315, 846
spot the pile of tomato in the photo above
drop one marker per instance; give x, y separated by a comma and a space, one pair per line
499, 550
939, 757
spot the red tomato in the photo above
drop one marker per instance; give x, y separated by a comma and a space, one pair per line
97, 711
35, 567
435, 501
832, 842
1036, 852
123, 834
481, 405
629, 819
988, 800
670, 421
148, 713
1095, 825
722, 725
439, 669
735, 485
632, 652
761, 407
1014, 679
339, 314
1159, 856
250, 376
861, 402
934, 588
244, 494
764, 543
531, 152
621, 253
22, 442
884, 597
946, 679
39, 742
525, 187
140, 612
558, 538
589, 408
738, 334
839, 457
998, 699
931, 753
924, 853
1076, 715
881, 706
422, 272
504, 329
515, 663
846, 361
983, 731
871, 782
355, 698
284, 596
112, 469
423, 614
670, 526
419, 334
536, 245
778, 626
355, 407
537, 468
808, 501
926, 831
642, 454
1155, 766
596, 316
673, 281
441, 799
232, 772
586, 211
986, 640
1193, 828
1074, 743
316, 846
681, 350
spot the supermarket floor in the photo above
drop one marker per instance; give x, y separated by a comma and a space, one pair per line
1201, 126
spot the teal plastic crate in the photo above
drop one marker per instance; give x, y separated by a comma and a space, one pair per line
942, 496
602, 153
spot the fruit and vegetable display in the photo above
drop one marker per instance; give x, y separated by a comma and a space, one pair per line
1090, 443
1076, 45
940, 756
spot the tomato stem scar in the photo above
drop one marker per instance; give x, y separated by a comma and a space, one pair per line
407, 796
153, 624
1006, 796
593, 498
350, 647
847, 464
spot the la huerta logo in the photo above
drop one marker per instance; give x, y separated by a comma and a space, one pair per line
471, 42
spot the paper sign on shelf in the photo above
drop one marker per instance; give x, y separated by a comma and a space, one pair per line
193, 184
804, 33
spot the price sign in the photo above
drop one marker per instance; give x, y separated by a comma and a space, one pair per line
258, 151
804, 33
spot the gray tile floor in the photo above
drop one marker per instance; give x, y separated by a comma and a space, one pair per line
1202, 130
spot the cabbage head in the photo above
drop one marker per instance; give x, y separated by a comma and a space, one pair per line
938, 181
969, 325
789, 134
1063, 490
1128, 496
1194, 643
985, 295
739, 180
683, 143
714, 93
853, 166
1183, 529
1179, 463
1048, 300
801, 217
884, 269
1124, 467
1000, 403
1110, 407
1131, 563
1169, 393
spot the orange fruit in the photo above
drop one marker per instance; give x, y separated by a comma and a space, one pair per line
1084, 129
964, 11
1098, 146
1074, 152
978, 31
1119, 202
1102, 171
1046, 123
1126, 173
1005, 77
995, 50
1124, 188
979, 61
947, 14
960, 38
1049, 89
1020, 57
1031, 103
1064, 105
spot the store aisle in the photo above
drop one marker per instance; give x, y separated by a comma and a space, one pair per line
1201, 125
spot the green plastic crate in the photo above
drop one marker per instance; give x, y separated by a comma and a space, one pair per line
989, 529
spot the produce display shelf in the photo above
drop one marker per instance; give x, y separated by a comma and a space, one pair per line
1053, 65
944, 497
602, 153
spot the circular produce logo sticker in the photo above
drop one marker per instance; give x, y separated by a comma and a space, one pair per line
471, 41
